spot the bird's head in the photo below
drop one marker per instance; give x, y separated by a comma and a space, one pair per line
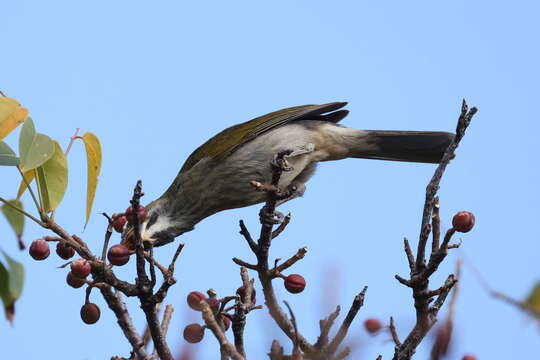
157, 229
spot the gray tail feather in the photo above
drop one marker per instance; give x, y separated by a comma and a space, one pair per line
413, 146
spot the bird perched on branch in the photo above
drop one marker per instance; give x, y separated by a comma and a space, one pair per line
217, 175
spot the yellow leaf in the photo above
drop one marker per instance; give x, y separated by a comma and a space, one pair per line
12, 114
93, 160
29, 177
52, 179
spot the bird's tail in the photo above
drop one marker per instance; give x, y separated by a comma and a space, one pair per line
414, 146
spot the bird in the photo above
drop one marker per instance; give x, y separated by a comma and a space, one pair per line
217, 175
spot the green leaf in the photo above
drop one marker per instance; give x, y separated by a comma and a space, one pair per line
533, 299
16, 277
11, 284
7, 156
14, 218
52, 179
4, 284
34, 148
12, 114
93, 161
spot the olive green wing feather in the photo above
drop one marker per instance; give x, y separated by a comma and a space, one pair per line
230, 139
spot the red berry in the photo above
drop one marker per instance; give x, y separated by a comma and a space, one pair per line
226, 323
372, 325
241, 291
142, 214
118, 255
194, 298
74, 281
90, 313
193, 333
468, 357
463, 221
80, 268
214, 304
64, 250
295, 283
39, 249
119, 223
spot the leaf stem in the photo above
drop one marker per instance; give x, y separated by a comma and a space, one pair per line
38, 204
72, 140
39, 222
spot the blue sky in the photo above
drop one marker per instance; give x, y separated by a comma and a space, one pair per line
155, 80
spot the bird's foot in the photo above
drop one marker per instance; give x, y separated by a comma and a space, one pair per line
281, 163
270, 219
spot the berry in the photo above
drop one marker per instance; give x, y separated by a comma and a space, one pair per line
118, 255
463, 221
241, 291
64, 250
213, 303
372, 325
226, 323
90, 313
39, 249
80, 268
119, 223
194, 298
74, 281
142, 214
295, 283
468, 357
193, 333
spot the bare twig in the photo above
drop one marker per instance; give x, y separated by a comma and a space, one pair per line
292, 260
263, 246
167, 316
244, 264
296, 352
444, 332
393, 332
433, 186
342, 332
282, 226
325, 325
436, 224
245, 233
242, 307
116, 304
226, 348
420, 271
145, 285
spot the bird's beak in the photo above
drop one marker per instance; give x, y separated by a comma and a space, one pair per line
128, 240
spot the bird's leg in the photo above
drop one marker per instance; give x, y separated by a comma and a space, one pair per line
293, 190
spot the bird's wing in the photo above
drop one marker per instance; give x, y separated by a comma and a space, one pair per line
230, 139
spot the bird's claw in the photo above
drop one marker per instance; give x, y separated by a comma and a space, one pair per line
281, 162
271, 219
